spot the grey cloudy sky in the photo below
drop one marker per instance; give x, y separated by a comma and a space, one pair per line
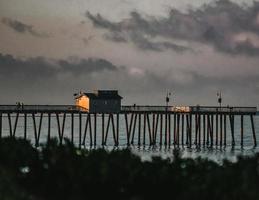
51, 49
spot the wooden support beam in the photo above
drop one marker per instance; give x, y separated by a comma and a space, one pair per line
49, 127
80, 130
103, 121
231, 119
144, 129
212, 130
156, 128
25, 126
174, 142
178, 130
165, 136
182, 130
220, 125
217, 128
199, 133
117, 128
95, 128
134, 128
208, 130
139, 128
253, 130
61, 130
63, 126
196, 130
72, 127
15, 123
151, 139
107, 129
187, 130
35, 128
127, 128
153, 127
10, 124
169, 129
1, 124
113, 130
37, 133
190, 131
39, 129
88, 124
86, 128
90, 128
58, 124
204, 130
131, 124
161, 129
242, 129
225, 129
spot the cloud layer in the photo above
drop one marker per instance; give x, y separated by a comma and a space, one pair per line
225, 25
21, 27
40, 80
45, 80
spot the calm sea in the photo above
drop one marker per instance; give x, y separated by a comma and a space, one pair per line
215, 153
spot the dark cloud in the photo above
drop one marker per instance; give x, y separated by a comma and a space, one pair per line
40, 68
217, 24
22, 28
99, 21
32, 68
246, 47
133, 31
116, 37
83, 66
146, 44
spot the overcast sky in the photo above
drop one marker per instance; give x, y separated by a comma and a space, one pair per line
52, 49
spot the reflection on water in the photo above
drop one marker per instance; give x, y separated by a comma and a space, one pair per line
146, 152
215, 154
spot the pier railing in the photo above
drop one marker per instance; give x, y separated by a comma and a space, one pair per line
146, 108
38, 108
189, 109
225, 109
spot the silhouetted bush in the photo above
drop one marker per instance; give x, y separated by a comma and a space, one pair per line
64, 172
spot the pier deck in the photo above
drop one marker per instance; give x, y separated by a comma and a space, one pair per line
130, 109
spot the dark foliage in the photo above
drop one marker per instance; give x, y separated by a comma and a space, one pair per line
65, 172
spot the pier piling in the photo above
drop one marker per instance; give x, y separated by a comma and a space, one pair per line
209, 124
242, 130
25, 126
1, 125
253, 130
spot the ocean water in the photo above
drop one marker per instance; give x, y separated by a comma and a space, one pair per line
216, 153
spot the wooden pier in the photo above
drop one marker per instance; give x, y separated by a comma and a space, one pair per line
198, 126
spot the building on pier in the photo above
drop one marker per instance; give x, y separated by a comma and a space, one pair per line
100, 101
